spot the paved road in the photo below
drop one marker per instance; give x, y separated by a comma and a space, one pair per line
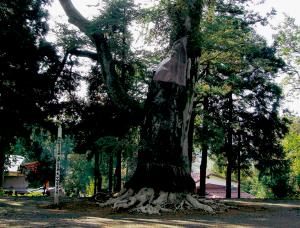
35, 212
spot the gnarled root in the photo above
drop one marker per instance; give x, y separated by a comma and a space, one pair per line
146, 201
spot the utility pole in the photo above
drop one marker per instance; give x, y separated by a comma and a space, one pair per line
57, 167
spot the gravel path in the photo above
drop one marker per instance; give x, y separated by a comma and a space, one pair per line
36, 212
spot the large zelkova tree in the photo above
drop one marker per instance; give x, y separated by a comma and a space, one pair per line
28, 71
163, 169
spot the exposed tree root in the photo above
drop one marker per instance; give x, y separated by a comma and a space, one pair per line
147, 201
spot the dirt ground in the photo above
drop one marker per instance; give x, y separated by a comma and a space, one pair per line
38, 212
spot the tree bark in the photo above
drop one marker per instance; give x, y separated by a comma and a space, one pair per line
203, 165
163, 161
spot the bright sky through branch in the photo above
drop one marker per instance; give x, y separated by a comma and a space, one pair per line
289, 7
90, 8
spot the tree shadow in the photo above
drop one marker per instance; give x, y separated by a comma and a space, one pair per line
24, 212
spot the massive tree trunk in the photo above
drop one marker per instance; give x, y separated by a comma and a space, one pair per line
163, 161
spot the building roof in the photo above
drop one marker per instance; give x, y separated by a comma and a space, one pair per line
32, 166
219, 192
216, 186
212, 178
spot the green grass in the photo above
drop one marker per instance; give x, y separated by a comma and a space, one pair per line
34, 194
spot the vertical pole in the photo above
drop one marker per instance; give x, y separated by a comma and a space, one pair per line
239, 171
57, 167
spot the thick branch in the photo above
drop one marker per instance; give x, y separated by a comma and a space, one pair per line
116, 91
84, 53
75, 17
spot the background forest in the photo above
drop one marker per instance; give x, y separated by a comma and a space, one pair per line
236, 121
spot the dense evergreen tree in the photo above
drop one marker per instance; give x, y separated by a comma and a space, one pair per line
28, 66
237, 76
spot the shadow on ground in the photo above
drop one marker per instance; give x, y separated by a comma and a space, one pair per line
35, 212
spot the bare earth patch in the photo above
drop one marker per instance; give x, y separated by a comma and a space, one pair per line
38, 212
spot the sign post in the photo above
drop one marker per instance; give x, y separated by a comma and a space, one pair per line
57, 167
